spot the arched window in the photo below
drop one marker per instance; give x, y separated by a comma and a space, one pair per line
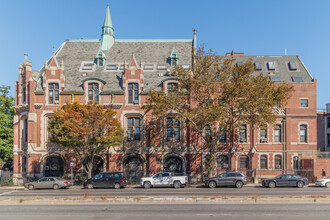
278, 162
244, 162
263, 162
54, 95
242, 134
25, 130
303, 133
133, 93
173, 129
133, 129
93, 92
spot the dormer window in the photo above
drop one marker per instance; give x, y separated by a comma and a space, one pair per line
171, 87
258, 66
148, 67
93, 92
271, 65
174, 58
100, 58
88, 66
292, 66
53, 93
133, 93
111, 67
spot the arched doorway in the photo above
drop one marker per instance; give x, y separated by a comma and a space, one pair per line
97, 165
133, 169
174, 164
54, 166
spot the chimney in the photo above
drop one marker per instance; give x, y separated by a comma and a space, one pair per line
234, 54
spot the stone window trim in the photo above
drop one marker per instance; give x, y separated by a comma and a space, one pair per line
246, 134
142, 126
280, 134
46, 89
85, 85
275, 156
171, 116
304, 107
264, 156
263, 140
247, 162
167, 83
127, 94
307, 132
23, 132
55, 99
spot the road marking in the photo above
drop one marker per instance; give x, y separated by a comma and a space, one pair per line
6, 193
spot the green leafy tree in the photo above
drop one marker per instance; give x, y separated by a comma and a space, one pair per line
88, 131
6, 128
216, 96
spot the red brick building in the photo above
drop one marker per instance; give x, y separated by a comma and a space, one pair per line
118, 73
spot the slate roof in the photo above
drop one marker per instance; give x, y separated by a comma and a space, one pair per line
74, 52
282, 69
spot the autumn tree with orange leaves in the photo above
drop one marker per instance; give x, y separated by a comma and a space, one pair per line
215, 96
88, 131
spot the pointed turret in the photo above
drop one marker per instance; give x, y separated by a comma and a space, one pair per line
107, 38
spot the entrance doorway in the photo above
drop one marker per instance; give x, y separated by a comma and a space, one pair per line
54, 166
133, 169
174, 164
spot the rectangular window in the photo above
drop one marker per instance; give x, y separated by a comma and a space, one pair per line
112, 67
25, 130
133, 93
24, 95
242, 134
278, 162
275, 78
223, 138
258, 65
328, 122
304, 103
297, 79
277, 133
173, 129
54, 93
133, 129
271, 65
328, 140
303, 133
243, 163
93, 92
88, 66
171, 87
292, 66
263, 162
148, 67
161, 67
263, 134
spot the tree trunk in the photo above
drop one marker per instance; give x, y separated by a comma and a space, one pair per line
89, 169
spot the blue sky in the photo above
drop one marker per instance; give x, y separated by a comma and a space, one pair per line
255, 27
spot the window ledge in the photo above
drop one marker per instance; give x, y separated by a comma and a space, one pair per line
52, 105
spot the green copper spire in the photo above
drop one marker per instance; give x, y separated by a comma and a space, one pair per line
107, 38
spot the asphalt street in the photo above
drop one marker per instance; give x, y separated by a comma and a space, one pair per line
163, 192
191, 212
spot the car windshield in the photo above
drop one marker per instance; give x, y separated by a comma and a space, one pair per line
98, 176
278, 177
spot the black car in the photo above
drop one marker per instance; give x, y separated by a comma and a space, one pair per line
227, 179
286, 180
106, 179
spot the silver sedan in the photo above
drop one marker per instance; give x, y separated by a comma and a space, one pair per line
323, 182
48, 183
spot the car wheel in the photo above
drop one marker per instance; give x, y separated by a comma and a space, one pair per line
55, 186
272, 185
327, 185
212, 184
147, 185
239, 184
30, 187
177, 184
117, 186
90, 186
300, 184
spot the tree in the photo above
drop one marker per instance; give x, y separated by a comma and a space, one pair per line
6, 127
86, 130
216, 96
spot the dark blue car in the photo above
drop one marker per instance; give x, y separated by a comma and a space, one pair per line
106, 179
286, 180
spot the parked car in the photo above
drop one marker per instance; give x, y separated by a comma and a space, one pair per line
227, 179
48, 183
323, 182
106, 179
286, 180
164, 179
